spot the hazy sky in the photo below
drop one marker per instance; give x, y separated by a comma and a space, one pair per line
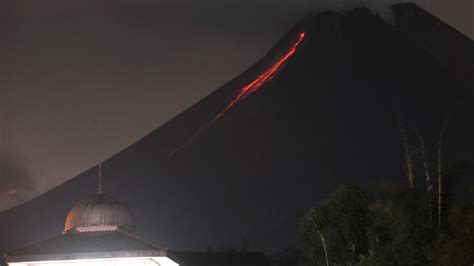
81, 80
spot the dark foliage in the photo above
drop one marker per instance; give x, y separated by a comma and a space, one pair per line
340, 223
394, 227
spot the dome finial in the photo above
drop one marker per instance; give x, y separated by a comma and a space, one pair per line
99, 186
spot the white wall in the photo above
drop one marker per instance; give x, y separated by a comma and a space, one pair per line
145, 261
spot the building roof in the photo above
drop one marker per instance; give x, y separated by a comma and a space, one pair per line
86, 245
99, 210
218, 258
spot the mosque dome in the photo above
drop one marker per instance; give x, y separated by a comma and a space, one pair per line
99, 212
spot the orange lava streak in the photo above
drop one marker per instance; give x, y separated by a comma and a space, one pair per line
262, 79
250, 88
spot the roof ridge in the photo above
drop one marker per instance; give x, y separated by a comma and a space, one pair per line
139, 239
32, 244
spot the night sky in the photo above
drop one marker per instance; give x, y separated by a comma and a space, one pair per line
81, 80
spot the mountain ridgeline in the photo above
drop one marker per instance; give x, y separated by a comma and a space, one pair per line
326, 118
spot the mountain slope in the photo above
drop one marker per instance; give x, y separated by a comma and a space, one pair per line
325, 119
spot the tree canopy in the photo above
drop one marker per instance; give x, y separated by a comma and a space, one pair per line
386, 226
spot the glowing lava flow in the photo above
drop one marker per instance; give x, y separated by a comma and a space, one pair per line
262, 79
250, 88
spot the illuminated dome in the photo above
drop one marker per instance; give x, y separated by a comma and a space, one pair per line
99, 212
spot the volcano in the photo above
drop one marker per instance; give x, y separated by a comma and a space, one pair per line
316, 112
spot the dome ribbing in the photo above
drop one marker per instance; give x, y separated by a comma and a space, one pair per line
99, 210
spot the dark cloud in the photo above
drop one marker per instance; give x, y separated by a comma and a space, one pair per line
16, 182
